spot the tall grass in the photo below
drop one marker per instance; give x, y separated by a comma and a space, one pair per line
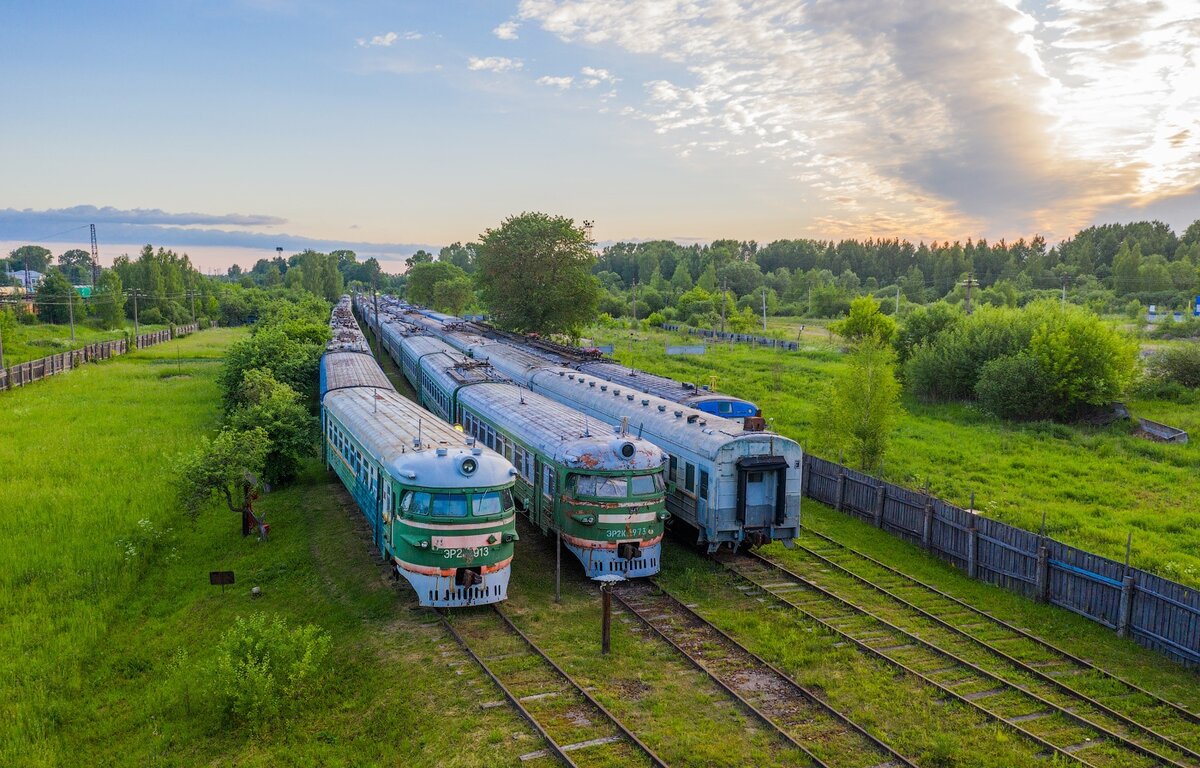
1094, 486
84, 508
29, 342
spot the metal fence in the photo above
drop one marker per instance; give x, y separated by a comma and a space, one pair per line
741, 338
35, 370
1154, 611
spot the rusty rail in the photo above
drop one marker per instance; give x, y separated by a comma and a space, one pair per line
788, 690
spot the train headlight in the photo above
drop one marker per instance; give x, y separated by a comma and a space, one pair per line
584, 519
468, 466
424, 544
664, 515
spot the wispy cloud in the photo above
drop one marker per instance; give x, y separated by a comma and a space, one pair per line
556, 82
494, 64
90, 214
933, 116
506, 31
386, 40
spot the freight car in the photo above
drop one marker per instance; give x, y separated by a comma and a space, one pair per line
440, 507
734, 482
601, 489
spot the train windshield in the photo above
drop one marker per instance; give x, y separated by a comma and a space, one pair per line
601, 487
644, 485
491, 502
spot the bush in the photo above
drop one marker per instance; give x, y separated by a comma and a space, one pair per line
656, 319
264, 670
924, 324
151, 316
1188, 328
1013, 387
1178, 365
865, 321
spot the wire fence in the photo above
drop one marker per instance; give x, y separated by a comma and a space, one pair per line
1156, 612
23, 374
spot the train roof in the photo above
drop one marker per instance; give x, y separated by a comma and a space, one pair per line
556, 429
561, 432
663, 387
342, 370
347, 336
389, 425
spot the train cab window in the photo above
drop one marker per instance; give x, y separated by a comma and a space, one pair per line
449, 505
416, 503
724, 408
754, 477
704, 484
646, 484
491, 503
689, 481
547, 481
601, 487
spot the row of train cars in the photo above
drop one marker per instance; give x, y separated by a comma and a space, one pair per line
595, 453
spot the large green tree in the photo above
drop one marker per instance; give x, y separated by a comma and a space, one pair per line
56, 299
35, 258
76, 264
424, 278
228, 467
534, 272
863, 404
272, 405
109, 302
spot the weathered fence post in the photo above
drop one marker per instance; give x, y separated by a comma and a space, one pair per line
806, 481
1043, 574
880, 500
1125, 612
972, 548
841, 489
927, 526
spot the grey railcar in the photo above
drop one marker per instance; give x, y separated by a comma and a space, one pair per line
734, 486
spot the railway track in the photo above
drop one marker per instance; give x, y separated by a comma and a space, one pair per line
828, 737
1173, 720
1028, 701
577, 728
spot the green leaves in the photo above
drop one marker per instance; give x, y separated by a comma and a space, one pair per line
221, 467
534, 273
865, 321
863, 404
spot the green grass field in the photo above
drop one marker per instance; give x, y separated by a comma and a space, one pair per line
29, 342
1093, 485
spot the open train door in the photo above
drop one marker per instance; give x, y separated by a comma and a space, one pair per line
762, 489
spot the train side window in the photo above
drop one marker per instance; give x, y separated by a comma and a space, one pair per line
754, 477
689, 481
547, 481
674, 468
724, 408
704, 484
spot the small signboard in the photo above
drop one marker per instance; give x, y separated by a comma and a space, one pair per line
1196, 309
689, 349
1153, 313
607, 349
220, 577
1177, 317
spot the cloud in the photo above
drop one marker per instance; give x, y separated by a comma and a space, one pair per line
933, 115
494, 64
386, 40
594, 76
506, 31
556, 82
173, 230
90, 214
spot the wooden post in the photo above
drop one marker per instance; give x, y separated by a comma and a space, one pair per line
880, 500
1043, 575
841, 489
558, 567
606, 627
1125, 612
806, 481
972, 549
927, 526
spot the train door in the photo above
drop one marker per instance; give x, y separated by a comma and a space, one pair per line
549, 491
385, 545
702, 490
762, 484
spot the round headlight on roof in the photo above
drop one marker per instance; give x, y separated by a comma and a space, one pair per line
627, 450
468, 466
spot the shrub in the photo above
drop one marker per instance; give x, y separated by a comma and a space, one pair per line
264, 669
865, 321
656, 319
1178, 365
151, 316
1013, 387
924, 324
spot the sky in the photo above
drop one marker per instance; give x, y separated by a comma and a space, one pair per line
230, 128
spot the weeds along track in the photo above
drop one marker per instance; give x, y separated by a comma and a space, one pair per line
1172, 720
964, 668
577, 728
827, 736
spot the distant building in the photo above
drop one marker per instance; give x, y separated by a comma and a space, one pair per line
29, 280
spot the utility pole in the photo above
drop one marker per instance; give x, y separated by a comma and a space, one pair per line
136, 330
1065, 280
192, 296
969, 284
378, 333
635, 320
897, 299
764, 309
95, 258
71, 310
1, 347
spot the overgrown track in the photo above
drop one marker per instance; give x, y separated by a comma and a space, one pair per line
827, 736
966, 669
576, 727
1150, 710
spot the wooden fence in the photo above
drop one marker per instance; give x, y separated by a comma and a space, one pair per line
1157, 613
741, 338
35, 370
